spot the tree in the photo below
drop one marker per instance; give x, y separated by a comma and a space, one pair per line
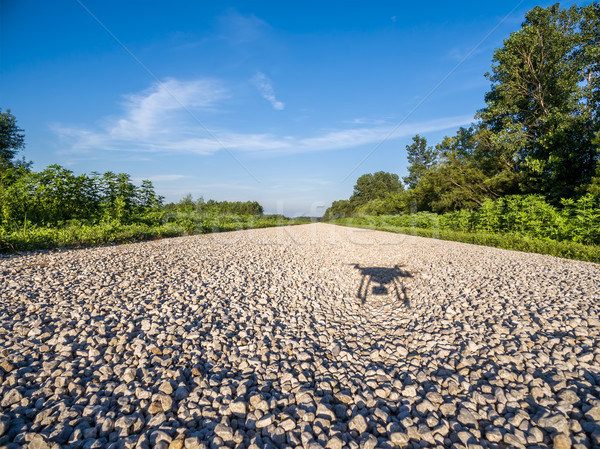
338, 209
541, 104
147, 198
12, 139
373, 186
587, 56
421, 158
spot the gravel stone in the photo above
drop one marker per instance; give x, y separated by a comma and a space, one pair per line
225, 432
561, 441
358, 423
466, 417
593, 414
265, 421
13, 396
238, 407
399, 438
312, 336
554, 423
335, 443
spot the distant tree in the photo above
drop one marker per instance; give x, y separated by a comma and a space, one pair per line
421, 159
339, 209
231, 207
12, 140
373, 186
147, 197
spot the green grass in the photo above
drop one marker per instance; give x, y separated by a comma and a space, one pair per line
568, 250
80, 234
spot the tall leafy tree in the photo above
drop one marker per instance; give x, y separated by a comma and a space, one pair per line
587, 56
373, 186
473, 168
12, 139
421, 159
537, 104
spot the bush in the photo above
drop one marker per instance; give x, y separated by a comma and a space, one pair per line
520, 222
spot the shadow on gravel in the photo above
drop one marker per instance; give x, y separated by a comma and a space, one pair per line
384, 279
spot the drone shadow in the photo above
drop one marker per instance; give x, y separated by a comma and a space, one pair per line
382, 279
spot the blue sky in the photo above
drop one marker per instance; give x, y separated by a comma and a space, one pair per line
283, 103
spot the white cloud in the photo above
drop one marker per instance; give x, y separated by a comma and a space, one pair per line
157, 119
162, 178
162, 120
265, 87
238, 29
147, 111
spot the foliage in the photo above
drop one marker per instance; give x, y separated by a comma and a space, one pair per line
539, 134
376, 193
524, 215
339, 209
56, 208
56, 195
544, 98
374, 186
421, 159
472, 169
569, 250
80, 233
12, 140
187, 204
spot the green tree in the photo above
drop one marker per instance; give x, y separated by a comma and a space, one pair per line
147, 198
587, 56
421, 159
373, 186
339, 209
473, 167
541, 102
12, 140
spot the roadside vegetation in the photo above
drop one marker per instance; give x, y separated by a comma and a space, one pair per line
526, 174
55, 208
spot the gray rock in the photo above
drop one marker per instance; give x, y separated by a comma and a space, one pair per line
358, 423
553, 423
593, 414
399, 438
368, 442
225, 432
409, 391
39, 442
467, 418
13, 396
335, 443
4, 424
265, 421
561, 441
493, 434
448, 409
238, 407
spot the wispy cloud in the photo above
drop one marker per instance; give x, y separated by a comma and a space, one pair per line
265, 87
162, 178
147, 110
153, 122
238, 29
156, 119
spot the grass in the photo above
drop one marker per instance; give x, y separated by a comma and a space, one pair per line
80, 234
516, 242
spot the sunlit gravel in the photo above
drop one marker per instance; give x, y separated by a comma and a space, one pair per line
308, 336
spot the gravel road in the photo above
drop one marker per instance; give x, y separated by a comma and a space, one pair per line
308, 336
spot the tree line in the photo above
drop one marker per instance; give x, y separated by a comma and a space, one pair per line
539, 133
56, 197
188, 204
